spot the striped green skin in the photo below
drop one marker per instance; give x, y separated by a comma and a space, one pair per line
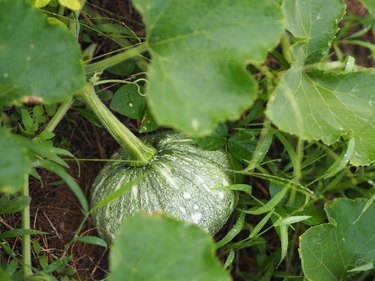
179, 181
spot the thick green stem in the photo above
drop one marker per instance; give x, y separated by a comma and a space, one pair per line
60, 113
26, 251
139, 153
127, 54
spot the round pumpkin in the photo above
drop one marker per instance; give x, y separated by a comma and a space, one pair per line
183, 181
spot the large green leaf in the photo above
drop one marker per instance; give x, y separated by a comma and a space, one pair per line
314, 24
370, 6
330, 251
14, 163
163, 249
323, 106
39, 61
199, 52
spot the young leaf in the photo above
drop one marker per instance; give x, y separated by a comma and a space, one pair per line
216, 140
148, 123
93, 240
4, 276
116, 194
342, 160
14, 164
57, 264
74, 5
39, 150
38, 61
41, 3
330, 251
233, 232
14, 205
199, 51
290, 220
242, 144
129, 102
283, 232
163, 249
270, 204
261, 224
58, 170
325, 106
19, 232
124, 68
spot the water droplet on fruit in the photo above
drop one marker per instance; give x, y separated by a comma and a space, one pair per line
221, 194
196, 217
6, 75
130, 104
182, 209
186, 195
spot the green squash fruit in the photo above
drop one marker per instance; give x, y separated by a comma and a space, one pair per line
182, 181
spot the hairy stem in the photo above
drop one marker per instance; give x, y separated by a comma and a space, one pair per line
105, 63
60, 113
140, 153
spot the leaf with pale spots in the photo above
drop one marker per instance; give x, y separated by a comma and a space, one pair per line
188, 253
39, 61
325, 106
199, 51
331, 251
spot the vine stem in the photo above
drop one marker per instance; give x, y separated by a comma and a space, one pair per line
140, 153
59, 115
285, 47
26, 249
105, 63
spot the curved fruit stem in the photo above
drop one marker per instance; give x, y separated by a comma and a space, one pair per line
140, 154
